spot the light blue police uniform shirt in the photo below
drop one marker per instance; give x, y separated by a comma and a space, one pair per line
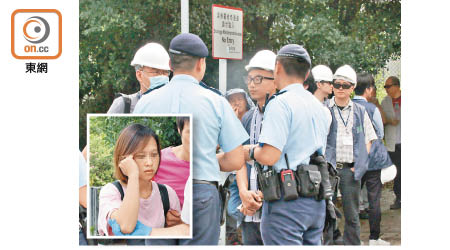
82, 170
295, 123
214, 122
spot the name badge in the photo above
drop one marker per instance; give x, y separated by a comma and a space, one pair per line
347, 141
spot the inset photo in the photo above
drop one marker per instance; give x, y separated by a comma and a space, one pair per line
140, 183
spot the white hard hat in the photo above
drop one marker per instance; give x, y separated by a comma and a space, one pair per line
345, 73
322, 73
264, 59
388, 174
152, 55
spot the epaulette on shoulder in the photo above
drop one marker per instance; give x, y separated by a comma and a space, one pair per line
204, 85
271, 98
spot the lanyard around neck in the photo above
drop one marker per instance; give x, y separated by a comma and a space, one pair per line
253, 131
340, 114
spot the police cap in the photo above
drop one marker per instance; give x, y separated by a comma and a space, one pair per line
295, 51
188, 44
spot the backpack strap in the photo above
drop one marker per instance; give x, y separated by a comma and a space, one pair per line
164, 198
127, 101
162, 191
129, 241
119, 187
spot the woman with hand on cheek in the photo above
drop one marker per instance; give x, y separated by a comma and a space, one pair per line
137, 156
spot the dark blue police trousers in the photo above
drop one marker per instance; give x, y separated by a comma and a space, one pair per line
251, 233
206, 218
295, 222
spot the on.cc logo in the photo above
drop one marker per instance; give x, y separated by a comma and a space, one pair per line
36, 34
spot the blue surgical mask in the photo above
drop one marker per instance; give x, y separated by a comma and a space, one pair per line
157, 81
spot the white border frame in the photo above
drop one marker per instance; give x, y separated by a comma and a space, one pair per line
88, 224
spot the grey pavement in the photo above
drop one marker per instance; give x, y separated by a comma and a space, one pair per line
390, 220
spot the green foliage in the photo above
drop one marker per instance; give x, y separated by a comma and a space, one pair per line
362, 33
104, 132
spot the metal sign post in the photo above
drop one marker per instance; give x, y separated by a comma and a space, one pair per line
223, 75
227, 38
184, 16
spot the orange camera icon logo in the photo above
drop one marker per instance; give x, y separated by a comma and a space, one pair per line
36, 34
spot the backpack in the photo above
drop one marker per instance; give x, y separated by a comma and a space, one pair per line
166, 205
127, 101
162, 191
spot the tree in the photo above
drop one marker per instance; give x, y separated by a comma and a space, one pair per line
103, 134
364, 34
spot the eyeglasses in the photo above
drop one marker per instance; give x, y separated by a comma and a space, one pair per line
142, 156
388, 86
257, 79
339, 85
157, 72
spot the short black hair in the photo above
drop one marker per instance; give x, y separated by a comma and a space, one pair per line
182, 62
363, 81
310, 82
181, 120
394, 80
294, 67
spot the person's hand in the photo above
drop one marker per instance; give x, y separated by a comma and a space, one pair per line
260, 194
236, 111
173, 217
129, 166
352, 169
251, 200
246, 211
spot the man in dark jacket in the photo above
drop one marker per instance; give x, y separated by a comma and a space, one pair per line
378, 156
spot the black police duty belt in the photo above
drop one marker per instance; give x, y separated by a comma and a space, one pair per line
261, 171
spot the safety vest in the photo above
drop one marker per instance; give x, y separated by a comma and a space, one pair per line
360, 155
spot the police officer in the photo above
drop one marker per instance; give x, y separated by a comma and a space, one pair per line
214, 123
295, 124
151, 63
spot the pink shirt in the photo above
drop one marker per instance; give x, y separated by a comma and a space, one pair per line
173, 172
151, 211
